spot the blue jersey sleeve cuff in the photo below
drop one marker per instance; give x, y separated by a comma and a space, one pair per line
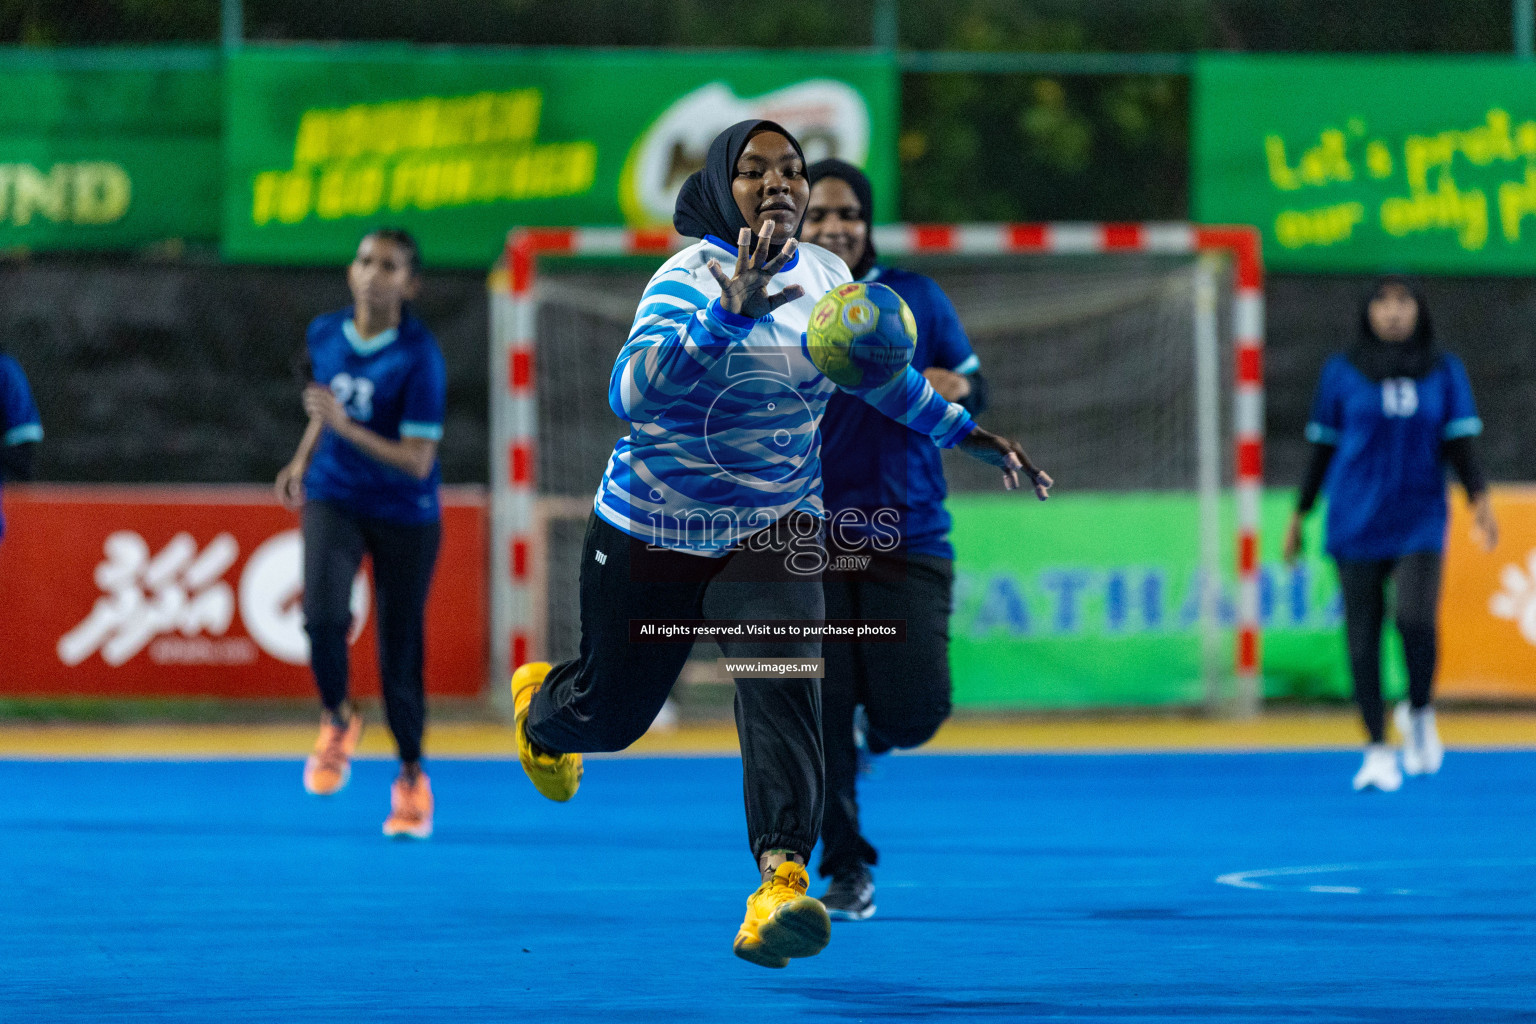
722, 323
24, 434
1466, 426
425, 431
1319, 434
961, 429
970, 364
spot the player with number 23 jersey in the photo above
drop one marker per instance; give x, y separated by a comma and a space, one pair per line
395, 386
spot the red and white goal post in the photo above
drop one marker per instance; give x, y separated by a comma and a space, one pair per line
518, 572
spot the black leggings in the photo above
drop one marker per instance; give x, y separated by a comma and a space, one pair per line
1416, 580
606, 698
403, 558
904, 687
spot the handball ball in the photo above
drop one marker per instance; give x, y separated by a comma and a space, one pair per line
861, 335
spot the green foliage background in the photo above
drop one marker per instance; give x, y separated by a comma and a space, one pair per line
973, 147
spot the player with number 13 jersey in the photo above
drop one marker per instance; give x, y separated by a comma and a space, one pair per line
1389, 416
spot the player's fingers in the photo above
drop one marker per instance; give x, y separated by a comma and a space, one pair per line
764, 240
789, 294
785, 255
718, 273
1010, 480
743, 250
1025, 463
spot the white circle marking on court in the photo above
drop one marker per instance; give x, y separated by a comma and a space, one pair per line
1294, 879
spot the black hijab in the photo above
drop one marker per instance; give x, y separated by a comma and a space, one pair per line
859, 182
1412, 357
706, 206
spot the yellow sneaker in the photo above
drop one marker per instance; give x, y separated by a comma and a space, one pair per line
782, 921
557, 776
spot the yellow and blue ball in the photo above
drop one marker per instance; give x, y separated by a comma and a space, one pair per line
861, 335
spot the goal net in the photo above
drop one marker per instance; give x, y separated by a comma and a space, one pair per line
1125, 361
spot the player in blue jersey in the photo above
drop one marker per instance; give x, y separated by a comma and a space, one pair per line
1388, 416
884, 491
366, 477
710, 509
20, 426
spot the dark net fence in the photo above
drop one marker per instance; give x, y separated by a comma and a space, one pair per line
186, 372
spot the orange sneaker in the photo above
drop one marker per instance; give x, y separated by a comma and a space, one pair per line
410, 808
330, 766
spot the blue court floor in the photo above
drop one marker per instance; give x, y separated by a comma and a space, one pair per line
1200, 887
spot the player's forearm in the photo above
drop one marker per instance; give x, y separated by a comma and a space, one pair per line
975, 400
663, 362
953, 386
411, 455
307, 443
1312, 482
911, 401
1462, 456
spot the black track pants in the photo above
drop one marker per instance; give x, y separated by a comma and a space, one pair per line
404, 556
607, 697
904, 687
1416, 579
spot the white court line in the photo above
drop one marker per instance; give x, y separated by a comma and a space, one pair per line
1247, 879
1262, 879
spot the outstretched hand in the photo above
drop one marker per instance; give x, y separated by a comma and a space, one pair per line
1007, 454
746, 292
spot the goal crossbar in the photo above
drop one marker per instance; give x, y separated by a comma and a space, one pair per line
517, 571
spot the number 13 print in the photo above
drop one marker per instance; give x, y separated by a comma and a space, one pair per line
1399, 397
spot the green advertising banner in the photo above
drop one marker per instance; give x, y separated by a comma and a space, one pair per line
109, 150
460, 146
1371, 164
1099, 606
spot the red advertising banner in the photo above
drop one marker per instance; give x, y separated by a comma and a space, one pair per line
196, 591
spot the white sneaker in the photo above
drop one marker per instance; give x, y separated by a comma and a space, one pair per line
1379, 770
1423, 753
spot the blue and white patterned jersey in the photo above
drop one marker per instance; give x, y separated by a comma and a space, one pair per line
724, 409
